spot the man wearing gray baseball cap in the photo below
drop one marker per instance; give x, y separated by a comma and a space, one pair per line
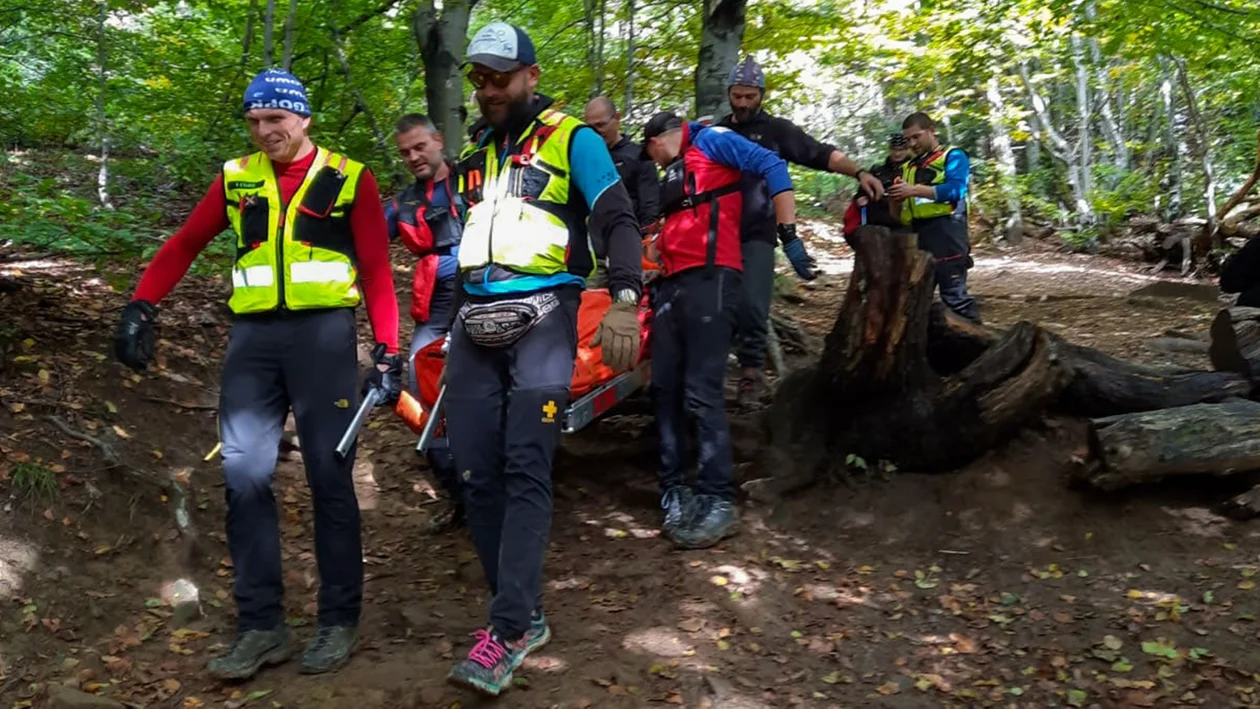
538, 183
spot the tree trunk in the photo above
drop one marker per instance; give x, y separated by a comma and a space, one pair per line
1203, 242
442, 40
1005, 160
1084, 116
1172, 146
629, 100
269, 34
360, 104
1216, 439
1060, 149
289, 21
1111, 128
721, 35
599, 54
1235, 199
874, 393
102, 125
1236, 342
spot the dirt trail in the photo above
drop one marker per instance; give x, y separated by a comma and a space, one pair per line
995, 586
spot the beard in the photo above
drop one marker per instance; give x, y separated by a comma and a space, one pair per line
743, 114
507, 113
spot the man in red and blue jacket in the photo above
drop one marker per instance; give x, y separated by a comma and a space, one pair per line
428, 216
696, 304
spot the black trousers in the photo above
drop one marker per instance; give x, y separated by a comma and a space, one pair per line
947, 240
304, 360
504, 409
695, 313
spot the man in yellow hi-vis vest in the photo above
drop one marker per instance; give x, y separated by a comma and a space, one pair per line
536, 182
310, 233
932, 200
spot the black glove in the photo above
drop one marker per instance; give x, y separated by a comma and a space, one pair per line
133, 341
388, 383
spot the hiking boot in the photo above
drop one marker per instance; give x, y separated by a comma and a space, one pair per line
713, 520
330, 649
447, 516
490, 663
539, 632
677, 503
251, 651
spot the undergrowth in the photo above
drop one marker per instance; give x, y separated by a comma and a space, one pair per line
48, 204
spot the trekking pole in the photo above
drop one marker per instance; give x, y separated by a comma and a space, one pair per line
431, 424
360, 416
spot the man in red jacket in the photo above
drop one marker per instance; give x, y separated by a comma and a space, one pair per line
309, 232
695, 308
429, 218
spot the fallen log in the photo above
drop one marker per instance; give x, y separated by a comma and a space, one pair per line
1217, 439
1235, 345
1101, 385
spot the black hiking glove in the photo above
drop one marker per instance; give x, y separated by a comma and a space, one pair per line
133, 341
387, 382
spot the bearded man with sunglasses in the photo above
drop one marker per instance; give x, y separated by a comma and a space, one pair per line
537, 183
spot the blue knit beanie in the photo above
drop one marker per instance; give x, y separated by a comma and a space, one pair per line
276, 88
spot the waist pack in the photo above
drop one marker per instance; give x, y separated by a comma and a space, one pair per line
500, 323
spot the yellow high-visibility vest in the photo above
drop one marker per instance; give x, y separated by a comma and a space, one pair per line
522, 214
929, 171
298, 255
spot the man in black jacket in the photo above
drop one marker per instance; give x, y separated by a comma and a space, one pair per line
638, 175
746, 87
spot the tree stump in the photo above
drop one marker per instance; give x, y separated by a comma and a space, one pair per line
874, 392
902, 378
1216, 439
1235, 343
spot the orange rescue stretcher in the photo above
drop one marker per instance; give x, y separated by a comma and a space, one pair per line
595, 389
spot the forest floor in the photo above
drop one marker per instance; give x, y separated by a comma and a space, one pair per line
998, 585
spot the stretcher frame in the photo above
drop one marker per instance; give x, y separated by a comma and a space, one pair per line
578, 415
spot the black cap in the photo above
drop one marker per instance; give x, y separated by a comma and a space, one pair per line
897, 140
663, 122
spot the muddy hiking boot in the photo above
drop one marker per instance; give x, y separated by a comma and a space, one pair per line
712, 520
330, 649
250, 652
490, 663
677, 504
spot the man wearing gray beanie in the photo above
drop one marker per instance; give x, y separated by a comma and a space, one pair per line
746, 87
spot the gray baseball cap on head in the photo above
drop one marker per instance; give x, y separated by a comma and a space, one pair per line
502, 47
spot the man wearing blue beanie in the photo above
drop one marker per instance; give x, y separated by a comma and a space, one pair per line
311, 243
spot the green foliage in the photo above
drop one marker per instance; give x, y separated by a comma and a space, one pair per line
1132, 194
167, 94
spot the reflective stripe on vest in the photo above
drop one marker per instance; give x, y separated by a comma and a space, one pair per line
309, 240
520, 216
928, 171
